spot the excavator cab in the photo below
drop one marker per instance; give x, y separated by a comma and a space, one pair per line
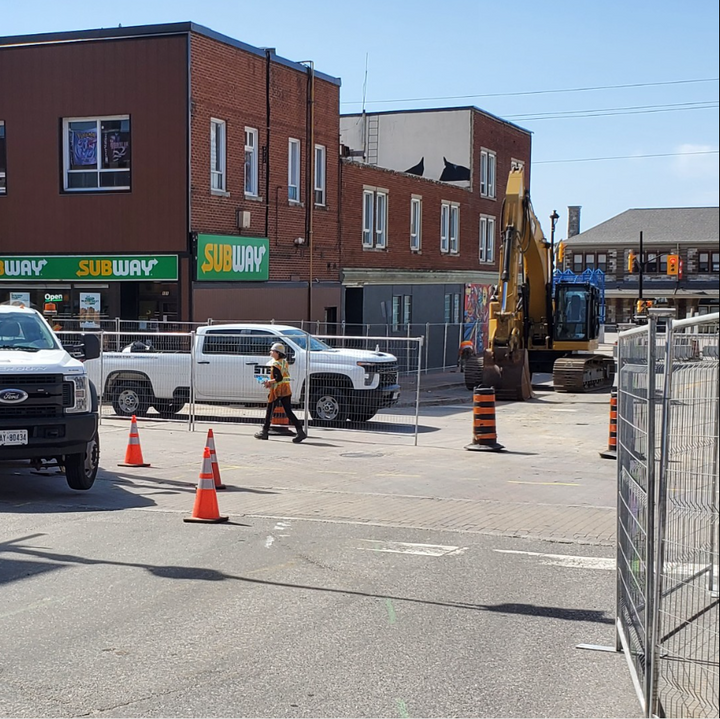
577, 313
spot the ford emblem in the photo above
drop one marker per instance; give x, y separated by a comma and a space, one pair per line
12, 396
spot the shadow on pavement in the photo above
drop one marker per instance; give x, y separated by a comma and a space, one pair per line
214, 575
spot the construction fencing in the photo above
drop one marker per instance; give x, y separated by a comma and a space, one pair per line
440, 346
215, 374
667, 534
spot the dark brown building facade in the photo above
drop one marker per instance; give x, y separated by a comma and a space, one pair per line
164, 173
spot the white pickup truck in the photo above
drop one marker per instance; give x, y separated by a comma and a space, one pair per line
345, 384
48, 407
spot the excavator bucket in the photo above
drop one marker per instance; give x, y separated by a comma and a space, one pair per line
509, 373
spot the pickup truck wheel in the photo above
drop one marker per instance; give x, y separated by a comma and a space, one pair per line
328, 405
168, 407
81, 469
132, 398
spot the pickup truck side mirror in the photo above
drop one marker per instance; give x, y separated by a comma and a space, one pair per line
91, 346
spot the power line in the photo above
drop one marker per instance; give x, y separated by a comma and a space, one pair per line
626, 157
607, 112
536, 92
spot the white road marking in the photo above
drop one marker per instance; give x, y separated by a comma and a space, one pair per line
428, 550
281, 525
269, 541
565, 560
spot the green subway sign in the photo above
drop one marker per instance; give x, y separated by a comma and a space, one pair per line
90, 267
228, 258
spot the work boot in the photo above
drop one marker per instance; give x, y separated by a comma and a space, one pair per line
300, 436
261, 435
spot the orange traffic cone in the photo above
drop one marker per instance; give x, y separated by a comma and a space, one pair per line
133, 453
210, 444
611, 451
484, 430
279, 424
206, 505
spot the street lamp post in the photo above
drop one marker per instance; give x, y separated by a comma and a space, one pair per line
553, 221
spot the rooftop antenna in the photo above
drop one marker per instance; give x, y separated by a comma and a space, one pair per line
364, 119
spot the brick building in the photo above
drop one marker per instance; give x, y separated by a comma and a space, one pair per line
164, 172
422, 195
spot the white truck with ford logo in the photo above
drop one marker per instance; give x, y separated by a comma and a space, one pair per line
48, 406
344, 384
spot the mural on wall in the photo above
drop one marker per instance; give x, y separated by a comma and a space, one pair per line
418, 169
453, 172
475, 328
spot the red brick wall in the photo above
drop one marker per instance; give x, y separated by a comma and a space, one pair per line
229, 83
508, 143
40, 85
505, 140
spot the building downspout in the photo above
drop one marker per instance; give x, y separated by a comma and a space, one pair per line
310, 188
191, 236
268, 53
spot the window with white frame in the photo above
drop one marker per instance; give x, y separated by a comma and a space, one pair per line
407, 309
218, 147
293, 170
396, 310
96, 153
415, 224
251, 162
488, 162
516, 164
449, 227
487, 238
375, 207
3, 161
320, 174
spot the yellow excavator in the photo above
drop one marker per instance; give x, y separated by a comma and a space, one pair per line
535, 324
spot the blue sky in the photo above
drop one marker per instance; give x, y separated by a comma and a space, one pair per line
662, 131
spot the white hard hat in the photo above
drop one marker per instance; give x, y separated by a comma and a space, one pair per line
278, 347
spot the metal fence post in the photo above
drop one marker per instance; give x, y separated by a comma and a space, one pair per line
427, 346
417, 392
660, 502
445, 347
191, 414
648, 683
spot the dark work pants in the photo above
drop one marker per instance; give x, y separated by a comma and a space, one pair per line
285, 402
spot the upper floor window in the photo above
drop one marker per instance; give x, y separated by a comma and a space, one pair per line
452, 308
218, 145
293, 170
578, 262
716, 261
704, 264
602, 261
590, 261
449, 227
516, 164
3, 161
415, 224
488, 162
374, 219
320, 174
251, 162
487, 238
96, 153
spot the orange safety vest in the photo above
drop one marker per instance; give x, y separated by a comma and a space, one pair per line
281, 388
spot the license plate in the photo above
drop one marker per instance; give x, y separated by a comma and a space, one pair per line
13, 436
395, 395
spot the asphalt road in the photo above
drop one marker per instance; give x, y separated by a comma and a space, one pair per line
358, 575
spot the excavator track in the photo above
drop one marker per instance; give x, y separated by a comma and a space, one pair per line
583, 373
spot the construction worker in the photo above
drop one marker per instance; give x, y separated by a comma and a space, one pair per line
280, 391
467, 350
